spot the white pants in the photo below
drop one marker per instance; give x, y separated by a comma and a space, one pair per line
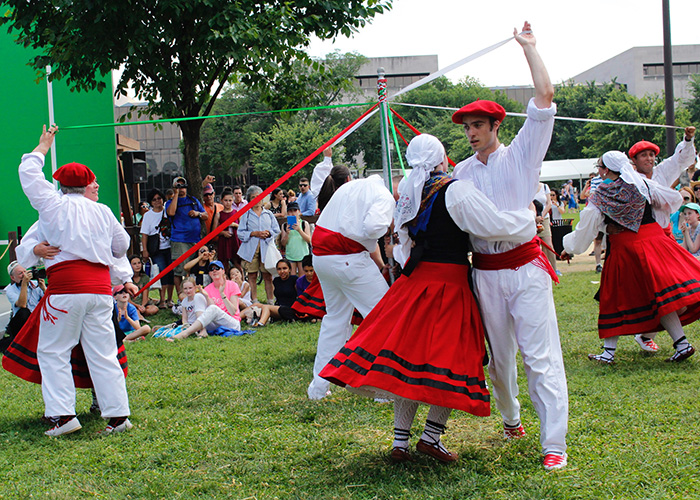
213, 317
518, 312
87, 319
348, 282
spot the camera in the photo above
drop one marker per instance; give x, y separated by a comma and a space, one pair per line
38, 273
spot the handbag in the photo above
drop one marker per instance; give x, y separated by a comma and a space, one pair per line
153, 244
272, 257
155, 270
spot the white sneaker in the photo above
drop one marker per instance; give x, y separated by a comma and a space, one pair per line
646, 344
315, 393
124, 426
554, 461
59, 430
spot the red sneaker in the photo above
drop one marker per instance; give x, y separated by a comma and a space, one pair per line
513, 432
554, 461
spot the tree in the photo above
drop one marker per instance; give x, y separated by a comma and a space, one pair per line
621, 106
179, 55
693, 105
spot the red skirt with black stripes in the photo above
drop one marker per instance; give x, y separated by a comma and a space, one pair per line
647, 275
424, 341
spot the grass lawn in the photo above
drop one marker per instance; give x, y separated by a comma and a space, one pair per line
229, 418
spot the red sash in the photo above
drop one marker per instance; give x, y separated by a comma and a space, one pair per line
74, 276
327, 242
515, 258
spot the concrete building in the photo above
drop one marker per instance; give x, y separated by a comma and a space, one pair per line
642, 70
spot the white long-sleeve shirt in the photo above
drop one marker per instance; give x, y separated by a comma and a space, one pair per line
666, 172
510, 179
321, 171
475, 214
664, 202
81, 228
361, 210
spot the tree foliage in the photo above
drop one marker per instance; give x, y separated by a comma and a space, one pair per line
179, 55
693, 104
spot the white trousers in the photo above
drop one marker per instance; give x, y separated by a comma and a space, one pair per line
87, 319
348, 282
213, 317
518, 312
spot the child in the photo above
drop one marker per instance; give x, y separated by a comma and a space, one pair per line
228, 239
691, 228
140, 278
198, 267
304, 281
244, 286
202, 316
296, 238
128, 316
285, 295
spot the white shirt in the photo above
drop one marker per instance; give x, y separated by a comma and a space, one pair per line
666, 172
510, 179
194, 306
321, 171
149, 226
475, 214
119, 272
81, 228
361, 210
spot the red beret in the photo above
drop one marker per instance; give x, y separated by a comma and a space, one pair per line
74, 175
480, 108
643, 146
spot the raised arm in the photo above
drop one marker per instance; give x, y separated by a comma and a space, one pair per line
321, 171
41, 193
544, 91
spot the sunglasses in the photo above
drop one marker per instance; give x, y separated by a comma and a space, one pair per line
208, 194
156, 198
686, 198
303, 185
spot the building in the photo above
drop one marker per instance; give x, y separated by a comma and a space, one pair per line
641, 69
400, 72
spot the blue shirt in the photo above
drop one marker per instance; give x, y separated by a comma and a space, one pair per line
184, 228
123, 322
307, 203
34, 295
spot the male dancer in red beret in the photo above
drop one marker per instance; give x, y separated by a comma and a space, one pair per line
79, 304
513, 281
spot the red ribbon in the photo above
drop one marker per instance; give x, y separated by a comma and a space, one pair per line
255, 200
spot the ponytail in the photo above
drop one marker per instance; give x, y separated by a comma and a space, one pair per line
338, 176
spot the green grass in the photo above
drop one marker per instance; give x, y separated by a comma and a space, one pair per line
229, 418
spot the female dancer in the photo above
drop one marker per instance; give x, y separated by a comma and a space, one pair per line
354, 215
649, 282
395, 352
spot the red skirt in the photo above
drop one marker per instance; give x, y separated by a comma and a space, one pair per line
424, 341
646, 276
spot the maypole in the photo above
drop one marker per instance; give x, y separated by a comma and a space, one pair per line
383, 128
52, 120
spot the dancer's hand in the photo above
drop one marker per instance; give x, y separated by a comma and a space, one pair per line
525, 36
46, 139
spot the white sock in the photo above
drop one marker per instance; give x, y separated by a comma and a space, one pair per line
435, 424
672, 324
404, 413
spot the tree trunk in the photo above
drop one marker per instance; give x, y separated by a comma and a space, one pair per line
191, 136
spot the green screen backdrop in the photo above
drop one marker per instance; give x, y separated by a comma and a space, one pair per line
25, 110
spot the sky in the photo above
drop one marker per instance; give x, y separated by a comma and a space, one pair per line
572, 36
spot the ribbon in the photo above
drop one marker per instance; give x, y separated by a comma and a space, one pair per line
415, 131
255, 200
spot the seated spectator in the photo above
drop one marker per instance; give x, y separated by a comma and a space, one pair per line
690, 228
128, 316
228, 238
277, 205
201, 314
222, 292
198, 267
676, 221
23, 295
295, 238
141, 302
257, 230
237, 277
305, 280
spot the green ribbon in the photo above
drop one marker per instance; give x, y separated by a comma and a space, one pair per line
396, 144
189, 118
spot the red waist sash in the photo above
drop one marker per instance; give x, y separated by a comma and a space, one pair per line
327, 242
78, 276
515, 258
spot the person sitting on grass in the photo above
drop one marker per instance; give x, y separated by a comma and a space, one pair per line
303, 281
128, 316
203, 316
198, 267
237, 277
141, 302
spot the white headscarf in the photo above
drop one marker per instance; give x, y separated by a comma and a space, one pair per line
617, 161
424, 153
